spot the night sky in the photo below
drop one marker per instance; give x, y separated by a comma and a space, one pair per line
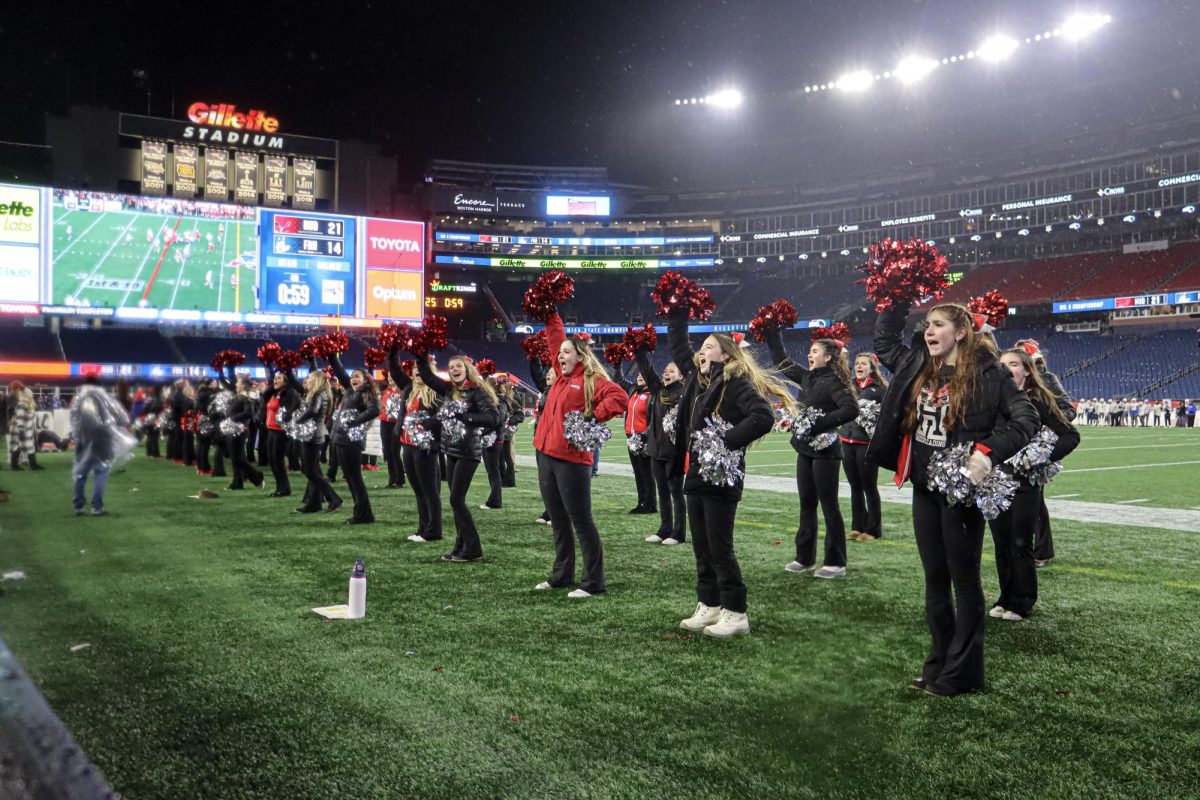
593, 83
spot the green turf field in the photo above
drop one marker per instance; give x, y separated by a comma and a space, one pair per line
208, 676
109, 260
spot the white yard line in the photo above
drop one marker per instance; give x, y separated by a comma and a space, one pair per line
145, 259
1131, 466
75, 239
1063, 496
104, 257
1133, 447
221, 277
1139, 500
182, 266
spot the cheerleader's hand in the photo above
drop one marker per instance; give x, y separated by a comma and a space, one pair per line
979, 466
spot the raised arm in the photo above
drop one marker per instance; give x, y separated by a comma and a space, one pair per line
889, 336
791, 370
537, 373
228, 378
396, 372
556, 334
653, 379
438, 385
677, 338
335, 361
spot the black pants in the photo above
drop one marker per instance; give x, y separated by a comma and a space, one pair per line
466, 539
422, 469
863, 477
152, 447
643, 478
264, 445
243, 470
203, 446
254, 451
1043, 540
390, 439
950, 541
671, 521
294, 451
175, 444
349, 457
508, 467
277, 445
491, 463
189, 449
218, 469
718, 576
567, 492
1012, 535
318, 487
817, 481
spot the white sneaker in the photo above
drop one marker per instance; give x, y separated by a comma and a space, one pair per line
416, 537
653, 538
1011, 616
830, 572
670, 540
701, 618
997, 612
542, 521
543, 586
486, 507
730, 623
578, 594
796, 566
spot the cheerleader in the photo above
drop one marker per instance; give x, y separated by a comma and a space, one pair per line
1014, 530
309, 428
949, 391
241, 412
463, 454
637, 422
180, 403
151, 410
279, 397
542, 376
389, 433
492, 452
863, 475
419, 405
564, 472
667, 472
204, 397
721, 381
516, 415
825, 385
360, 405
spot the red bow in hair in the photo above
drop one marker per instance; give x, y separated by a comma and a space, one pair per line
1030, 348
467, 359
981, 323
584, 336
738, 337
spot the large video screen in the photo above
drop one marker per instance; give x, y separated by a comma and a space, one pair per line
574, 205
308, 263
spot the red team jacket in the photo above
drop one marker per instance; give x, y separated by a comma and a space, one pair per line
635, 413
566, 395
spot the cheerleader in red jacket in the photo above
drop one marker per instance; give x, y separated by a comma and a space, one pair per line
564, 472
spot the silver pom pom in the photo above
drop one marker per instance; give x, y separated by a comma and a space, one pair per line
637, 443
231, 429
453, 428
670, 423
417, 431
801, 423
166, 421
949, 475
219, 407
301, 430
141, 423
868, 415
995, 494
487, 440
395, 406
355, 433
509, 432
718, 465
584, 434
204, 426
1032, 461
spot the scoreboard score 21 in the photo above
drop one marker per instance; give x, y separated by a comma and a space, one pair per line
307, 266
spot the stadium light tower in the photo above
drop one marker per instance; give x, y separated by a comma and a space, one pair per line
858, 81
1080, 26
914, 68
997, 48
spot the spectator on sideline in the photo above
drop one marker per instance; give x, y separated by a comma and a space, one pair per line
98, 427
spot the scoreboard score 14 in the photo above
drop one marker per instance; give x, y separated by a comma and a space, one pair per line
310, 266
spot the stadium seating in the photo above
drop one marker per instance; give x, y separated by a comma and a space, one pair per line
118, 345
32, 343
1188, 278
1136, 273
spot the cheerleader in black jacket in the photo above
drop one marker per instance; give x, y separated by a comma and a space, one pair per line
279, 397
947, 390
204, 397
153, 407
721, 380
241, 411
667, 472
866, 517
516, 415
181, 402
420, 465
312, 415
492, 453
826, 385
1013, 531
463, 455
360, 405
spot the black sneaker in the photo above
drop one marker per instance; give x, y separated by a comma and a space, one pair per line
942, 690
917, 684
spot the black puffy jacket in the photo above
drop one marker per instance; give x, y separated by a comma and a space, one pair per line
362, 405
481, 414
999, 417
852, 432
819, 388
1068, 436
663, 398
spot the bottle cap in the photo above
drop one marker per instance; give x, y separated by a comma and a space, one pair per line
360, 569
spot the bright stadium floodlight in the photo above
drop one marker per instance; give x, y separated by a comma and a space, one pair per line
1080, 26
914, 68
726, 98
997, 48
858, 81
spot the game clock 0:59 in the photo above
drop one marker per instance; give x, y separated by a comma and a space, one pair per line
445, 303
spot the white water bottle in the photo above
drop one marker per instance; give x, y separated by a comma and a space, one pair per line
358, 590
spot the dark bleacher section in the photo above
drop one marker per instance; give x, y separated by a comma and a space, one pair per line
33, 344
116, 345
1042, 280
1136, 273
200, 349
1189, 278
981, 279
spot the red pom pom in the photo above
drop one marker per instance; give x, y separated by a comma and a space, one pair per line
616, 353
313, 347
336, 343
486, 367
838, 332
992, 305
288, 359
676, 291
330, 375
547, 293
644, 338
535, 347
779, 314
904, 273
373, 357
394, 336
408, 365
269, 353
228, 358
432, 336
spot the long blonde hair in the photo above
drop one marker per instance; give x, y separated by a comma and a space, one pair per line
427, 397
966, 371
318, 383
739, 363
473, 377
592, 369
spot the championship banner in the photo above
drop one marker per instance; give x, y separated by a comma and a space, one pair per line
245, 177
154, 167
186, 157
274, 180
304, 193
216, 175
